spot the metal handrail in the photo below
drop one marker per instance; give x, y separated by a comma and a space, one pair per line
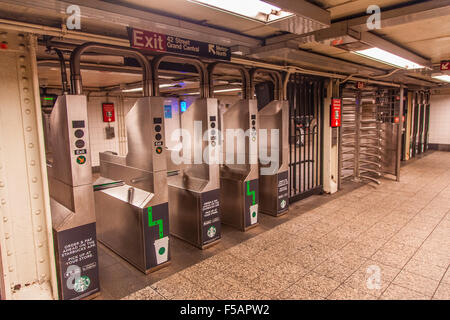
244, 73
277, 81
108, 49
201, 69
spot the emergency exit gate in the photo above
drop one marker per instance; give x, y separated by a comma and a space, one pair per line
420, 123
369, 142
306, 98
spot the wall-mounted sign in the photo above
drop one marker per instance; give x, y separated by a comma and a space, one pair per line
360, 85
445, 65
108, 112
335, 115
152, 41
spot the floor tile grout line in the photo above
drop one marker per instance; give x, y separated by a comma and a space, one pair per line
403, 268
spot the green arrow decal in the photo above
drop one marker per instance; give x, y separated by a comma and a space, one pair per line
251, 193
152, 223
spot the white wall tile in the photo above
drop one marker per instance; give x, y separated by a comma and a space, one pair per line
440, 119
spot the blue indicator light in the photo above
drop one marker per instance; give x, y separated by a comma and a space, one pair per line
183, 106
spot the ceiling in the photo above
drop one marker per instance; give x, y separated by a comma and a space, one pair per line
425, 37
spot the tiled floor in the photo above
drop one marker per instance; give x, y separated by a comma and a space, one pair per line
374, 242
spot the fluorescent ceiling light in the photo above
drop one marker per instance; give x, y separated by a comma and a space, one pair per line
228, 90
215, 91
165, 85
132, 90
443, 77
388, 58
253, 9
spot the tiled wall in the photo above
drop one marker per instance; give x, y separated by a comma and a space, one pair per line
440, 119
98, 140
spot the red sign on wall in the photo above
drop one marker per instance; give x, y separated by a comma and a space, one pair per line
336, 107
445, 65
108, 112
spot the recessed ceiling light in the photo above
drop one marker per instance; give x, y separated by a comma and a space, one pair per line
253, 9
388, 58
443, 77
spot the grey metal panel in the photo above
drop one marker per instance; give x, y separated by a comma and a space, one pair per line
275, 115
120, 209
234, 176
195, 177
141, 134
70, 183
389, 145
184, 213
118, 226
69, 108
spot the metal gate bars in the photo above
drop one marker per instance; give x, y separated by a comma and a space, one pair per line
369, 136
306, 97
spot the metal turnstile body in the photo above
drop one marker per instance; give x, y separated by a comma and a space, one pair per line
239, 183
72, 199
273, 178
131, 193
194, 186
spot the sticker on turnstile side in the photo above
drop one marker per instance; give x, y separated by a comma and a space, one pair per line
80, 151
77, 262
283, 194
156, 234
210, 218
251, 196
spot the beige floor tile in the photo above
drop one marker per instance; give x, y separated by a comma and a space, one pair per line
145, 294
409, 238
318, 284
332, 270
395, 292
363, 247
333, 240
433, 257
348, 259
345, 292
289, 271
227, 288
425, 269
178, 288
446, 277
366, 279
298, 293
307, 258
399, 248
390, 258
443, 292
412, 281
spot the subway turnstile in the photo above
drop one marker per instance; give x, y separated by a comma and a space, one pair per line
131, 193
239, 183
72, 199
194, 184
273, 176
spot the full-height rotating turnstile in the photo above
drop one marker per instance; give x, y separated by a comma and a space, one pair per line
71, 197
194, 185
273, 175
131, 193
239, 183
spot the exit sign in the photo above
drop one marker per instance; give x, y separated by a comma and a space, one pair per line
445, 65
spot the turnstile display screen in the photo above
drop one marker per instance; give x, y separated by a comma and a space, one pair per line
78, 124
